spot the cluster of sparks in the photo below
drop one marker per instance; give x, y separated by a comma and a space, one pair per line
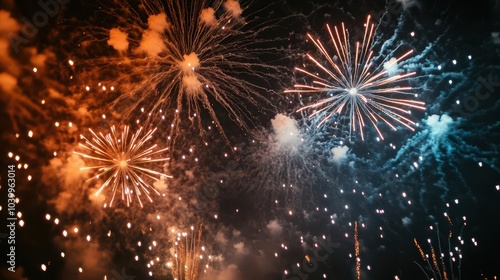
188, 257
354, 86
437, 262
122, 159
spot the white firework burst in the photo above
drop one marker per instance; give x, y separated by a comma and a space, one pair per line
354, 86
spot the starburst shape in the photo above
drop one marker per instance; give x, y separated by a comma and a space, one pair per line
192, 60
355, 87
123, 160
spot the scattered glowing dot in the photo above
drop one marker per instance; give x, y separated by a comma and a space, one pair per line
44, 267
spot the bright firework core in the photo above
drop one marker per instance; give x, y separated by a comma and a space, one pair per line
352, 91
190, 62
189, 80
123, 163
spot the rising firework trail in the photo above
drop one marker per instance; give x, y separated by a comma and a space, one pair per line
354, 86
122, 159
188, 255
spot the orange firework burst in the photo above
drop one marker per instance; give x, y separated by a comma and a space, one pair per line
123, 158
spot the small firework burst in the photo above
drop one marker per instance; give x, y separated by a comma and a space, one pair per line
122, 159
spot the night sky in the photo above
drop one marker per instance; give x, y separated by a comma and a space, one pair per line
277, 193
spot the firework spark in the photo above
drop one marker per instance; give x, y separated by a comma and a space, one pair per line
356, 251
188, 255
436, 263
123, 158
356, 85
197, 60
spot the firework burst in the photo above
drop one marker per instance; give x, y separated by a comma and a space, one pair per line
196, 60
122, 159
355, 86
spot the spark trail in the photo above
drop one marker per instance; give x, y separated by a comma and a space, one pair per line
354, 86
188, 255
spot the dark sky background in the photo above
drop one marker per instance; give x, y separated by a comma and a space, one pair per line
232, 188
